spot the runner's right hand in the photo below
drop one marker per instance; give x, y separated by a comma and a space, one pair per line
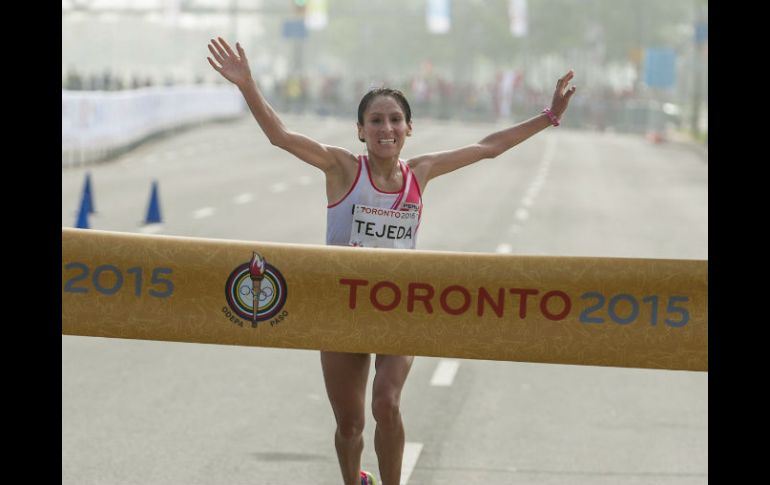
234, 68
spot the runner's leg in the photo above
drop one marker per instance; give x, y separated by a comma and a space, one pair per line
390, 374
345, 376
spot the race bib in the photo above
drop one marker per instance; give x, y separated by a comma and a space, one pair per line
375, 227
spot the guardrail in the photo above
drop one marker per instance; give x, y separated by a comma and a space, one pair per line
99, 124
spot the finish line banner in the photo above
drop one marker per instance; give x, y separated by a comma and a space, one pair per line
620, 312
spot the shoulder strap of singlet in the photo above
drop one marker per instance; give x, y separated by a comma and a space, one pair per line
407, 185
363, 165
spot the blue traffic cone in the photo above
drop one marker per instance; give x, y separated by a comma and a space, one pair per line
82, 221
153, 211
87, 195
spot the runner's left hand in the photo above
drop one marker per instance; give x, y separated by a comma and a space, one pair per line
563, 94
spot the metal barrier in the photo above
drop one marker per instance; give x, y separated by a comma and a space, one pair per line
100, 124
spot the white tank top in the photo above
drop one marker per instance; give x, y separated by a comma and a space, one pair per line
361, 198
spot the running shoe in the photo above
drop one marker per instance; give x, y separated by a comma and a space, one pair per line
367, 478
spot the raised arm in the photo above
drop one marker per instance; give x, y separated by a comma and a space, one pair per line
235, 68
431, 165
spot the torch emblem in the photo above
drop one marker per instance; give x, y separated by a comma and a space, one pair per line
257, 274
256, 291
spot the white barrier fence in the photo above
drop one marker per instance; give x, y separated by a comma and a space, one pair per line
98, 124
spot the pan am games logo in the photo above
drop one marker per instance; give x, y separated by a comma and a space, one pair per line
255, 284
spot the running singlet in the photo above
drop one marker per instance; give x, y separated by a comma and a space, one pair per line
369, 217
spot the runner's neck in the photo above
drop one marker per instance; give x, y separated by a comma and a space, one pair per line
385, 170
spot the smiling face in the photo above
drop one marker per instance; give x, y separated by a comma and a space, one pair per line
385, 127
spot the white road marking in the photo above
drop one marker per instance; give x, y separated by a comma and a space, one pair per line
445, 371
278, 188
411, 455
243, 198
532, 192
521, 214
550, 148
151, 228
203, 212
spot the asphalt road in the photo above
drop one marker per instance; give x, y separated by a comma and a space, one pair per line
144, 412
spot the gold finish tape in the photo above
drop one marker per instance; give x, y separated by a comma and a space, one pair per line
621, 312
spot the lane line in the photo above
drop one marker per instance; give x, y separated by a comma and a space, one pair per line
445, 372
151, 228
203, 212
550, 149
243, 199
522, 214
411, 455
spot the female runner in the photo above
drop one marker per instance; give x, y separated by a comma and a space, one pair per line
364, 193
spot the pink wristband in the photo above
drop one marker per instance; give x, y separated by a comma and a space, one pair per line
551, 116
